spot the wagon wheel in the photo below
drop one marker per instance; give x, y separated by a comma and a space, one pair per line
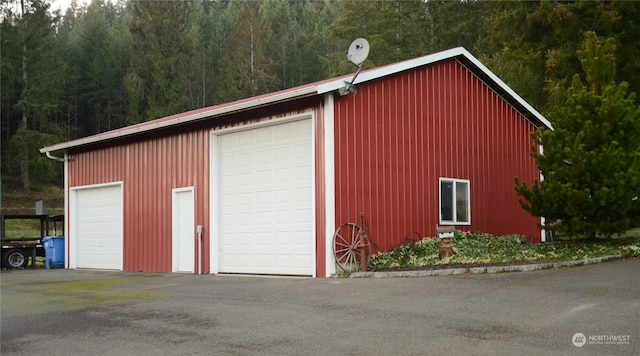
348, 242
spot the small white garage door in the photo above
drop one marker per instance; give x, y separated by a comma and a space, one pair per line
98, 227
265, 200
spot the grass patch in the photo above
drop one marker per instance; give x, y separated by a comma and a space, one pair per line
22, 228
44, 298
480, 248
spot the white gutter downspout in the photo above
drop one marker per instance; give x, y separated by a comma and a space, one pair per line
66, 204
50, 156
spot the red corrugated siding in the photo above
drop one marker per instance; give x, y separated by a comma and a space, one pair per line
150, 170
395, 137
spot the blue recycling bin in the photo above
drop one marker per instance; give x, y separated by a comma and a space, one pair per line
54, 251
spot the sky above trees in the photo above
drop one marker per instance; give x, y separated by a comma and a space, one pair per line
63, 5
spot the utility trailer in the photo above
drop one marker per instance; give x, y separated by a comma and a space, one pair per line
16, 250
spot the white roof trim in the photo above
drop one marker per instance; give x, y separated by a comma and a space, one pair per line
321, 87
505, 87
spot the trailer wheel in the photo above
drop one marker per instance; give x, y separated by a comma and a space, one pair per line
15, 259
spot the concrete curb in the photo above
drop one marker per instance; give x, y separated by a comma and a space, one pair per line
481, 270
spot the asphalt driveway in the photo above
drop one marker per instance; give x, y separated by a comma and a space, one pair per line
586, 310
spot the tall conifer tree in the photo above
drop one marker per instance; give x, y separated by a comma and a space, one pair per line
591, 160
36, 83
160, 58
248, 67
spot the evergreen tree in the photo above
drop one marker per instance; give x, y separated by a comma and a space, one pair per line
392, 28
456, 23
68, 42
211, 25
161, 50
35, 83
103, 66
199, 86
119, 57
309, 47
248, 66
96, 77
280, 17
532, 45
591, 160
297, 28
96, 45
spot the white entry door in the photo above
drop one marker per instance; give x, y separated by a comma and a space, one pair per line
183, 230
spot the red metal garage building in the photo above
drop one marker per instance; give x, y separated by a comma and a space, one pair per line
436, 140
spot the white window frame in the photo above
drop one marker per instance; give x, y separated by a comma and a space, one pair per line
454, 220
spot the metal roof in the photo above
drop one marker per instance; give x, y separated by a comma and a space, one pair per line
312, 89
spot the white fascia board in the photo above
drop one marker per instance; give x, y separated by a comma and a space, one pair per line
195, 115
506, 88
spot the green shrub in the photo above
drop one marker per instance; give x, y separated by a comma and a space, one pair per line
482, 248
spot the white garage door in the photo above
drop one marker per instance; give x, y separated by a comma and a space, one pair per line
266, 200
98, 223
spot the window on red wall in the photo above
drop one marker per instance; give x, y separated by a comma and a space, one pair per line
455, 207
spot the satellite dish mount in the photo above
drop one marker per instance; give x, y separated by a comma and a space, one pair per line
357, 54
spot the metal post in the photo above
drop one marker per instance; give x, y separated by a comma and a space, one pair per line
199, 230
363, 258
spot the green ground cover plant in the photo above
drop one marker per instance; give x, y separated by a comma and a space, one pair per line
481, 248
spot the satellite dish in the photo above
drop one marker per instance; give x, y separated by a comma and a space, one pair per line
358, 51
357, 54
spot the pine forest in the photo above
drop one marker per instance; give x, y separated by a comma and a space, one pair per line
103, 65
